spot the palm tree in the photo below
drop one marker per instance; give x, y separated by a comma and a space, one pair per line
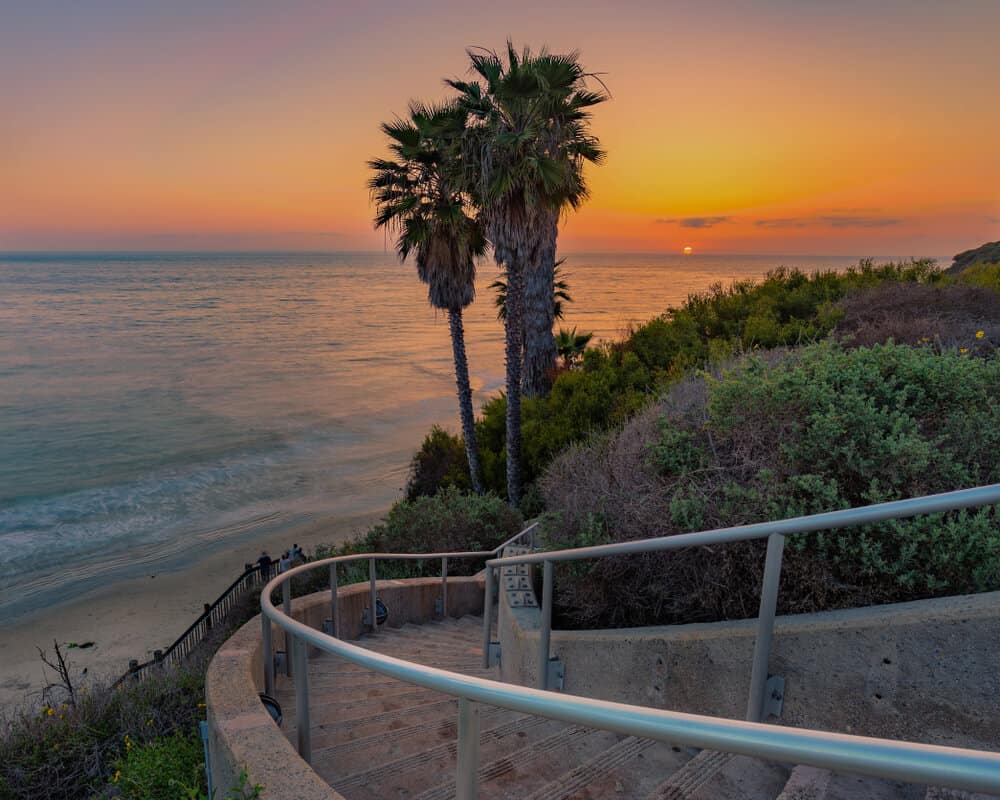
571, 345
416, 197
560, 293
524, 146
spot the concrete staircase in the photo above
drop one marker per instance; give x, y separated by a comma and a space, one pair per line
376, 738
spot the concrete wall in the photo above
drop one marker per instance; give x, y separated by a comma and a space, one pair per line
242, 736
925, 671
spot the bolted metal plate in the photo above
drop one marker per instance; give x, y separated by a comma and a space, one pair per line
516, 569
522, 599
517, 582
557, 674
774, 696
515, 550
494, 653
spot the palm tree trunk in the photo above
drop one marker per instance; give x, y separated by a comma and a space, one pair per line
540, 350
513, 347
465, 396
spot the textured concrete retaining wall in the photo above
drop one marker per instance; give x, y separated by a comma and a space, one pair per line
925, 671
241, 733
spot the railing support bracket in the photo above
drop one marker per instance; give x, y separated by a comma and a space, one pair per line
774, 696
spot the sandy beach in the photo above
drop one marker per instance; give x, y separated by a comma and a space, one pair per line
131, 618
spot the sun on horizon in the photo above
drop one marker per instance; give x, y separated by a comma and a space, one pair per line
688, 250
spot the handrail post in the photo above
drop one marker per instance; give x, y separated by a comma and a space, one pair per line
371, 591
286, 601
302, 730
488, 616
765, 627
545, 629
444, 587
334, 602
467, 772
267, 652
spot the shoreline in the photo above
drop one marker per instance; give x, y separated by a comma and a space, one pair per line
132, 617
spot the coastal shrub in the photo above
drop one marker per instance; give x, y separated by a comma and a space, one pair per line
162, 769
440, 462
941, 315
448, 521
785, 308
985, 274
66, 751
795, 432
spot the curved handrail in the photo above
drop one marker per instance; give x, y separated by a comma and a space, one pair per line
971, 770
845, 518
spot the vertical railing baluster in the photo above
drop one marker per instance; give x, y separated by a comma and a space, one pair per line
444, 587
545, 629
302, 728
371, 591
286, 600
467, 772
765, 627
268, 655
334, 602
487, 616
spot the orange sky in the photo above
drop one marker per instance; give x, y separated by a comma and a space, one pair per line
857, 127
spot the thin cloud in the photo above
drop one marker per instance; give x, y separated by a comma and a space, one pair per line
833, 220
695, 222
782, 222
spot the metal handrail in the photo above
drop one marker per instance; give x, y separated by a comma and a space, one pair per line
774, 532
971, 770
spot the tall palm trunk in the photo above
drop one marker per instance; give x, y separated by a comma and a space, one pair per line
465, 396
513, 347
540, 350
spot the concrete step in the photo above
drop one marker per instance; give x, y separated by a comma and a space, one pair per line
519, 773
711, 775
330, 734
940, 793
631, 768
812, 783
345, 757
405, 776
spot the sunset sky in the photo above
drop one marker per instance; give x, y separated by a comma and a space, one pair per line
854, 127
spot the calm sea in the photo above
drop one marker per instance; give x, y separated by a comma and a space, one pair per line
154, 407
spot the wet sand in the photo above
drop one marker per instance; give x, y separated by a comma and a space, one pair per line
132, 618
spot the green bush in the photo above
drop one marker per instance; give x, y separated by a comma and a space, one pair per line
816, 429
71, 750
450, 521
983, 274
785, 308
162, 769
440, 462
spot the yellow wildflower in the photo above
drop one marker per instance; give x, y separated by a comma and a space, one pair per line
118, 774
201, 705
50, 711
980, 334
963, 349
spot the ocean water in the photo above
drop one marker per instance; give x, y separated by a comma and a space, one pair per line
156, 406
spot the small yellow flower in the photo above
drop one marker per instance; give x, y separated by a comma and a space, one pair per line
201, 705
963, 349
118, 774
149, 722
980, 334
50, 711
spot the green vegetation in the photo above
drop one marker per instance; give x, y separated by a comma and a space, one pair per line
448, 521
145, 731
617, 380
982, 273
814, 429
988, 253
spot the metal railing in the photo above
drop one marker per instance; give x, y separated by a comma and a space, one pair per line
971, 770
213, 615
